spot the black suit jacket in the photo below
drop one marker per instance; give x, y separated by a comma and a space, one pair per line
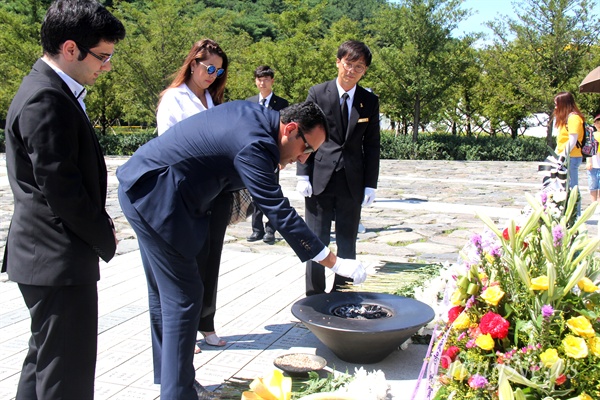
57, 174
174, 179
359, 145
277, 103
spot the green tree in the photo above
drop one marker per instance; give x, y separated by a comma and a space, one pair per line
541, 52
419, 59
19, 47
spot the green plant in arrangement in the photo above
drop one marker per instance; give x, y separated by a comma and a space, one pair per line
524, 318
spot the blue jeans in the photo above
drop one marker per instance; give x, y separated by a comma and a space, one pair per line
574, 164
593, 179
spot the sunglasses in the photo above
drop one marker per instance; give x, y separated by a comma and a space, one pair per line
307, 147
211, 69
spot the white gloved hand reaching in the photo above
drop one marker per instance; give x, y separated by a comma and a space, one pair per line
303, 186
350, 269
369, 197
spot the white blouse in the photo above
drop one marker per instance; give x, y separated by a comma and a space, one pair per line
178, 104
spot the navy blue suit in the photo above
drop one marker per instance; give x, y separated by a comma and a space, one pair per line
276, 103
167, 192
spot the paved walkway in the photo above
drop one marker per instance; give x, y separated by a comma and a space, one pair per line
424, 212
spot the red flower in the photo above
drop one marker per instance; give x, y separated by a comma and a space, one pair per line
453, 313
505, 232
495, 325
561, 379
449, 355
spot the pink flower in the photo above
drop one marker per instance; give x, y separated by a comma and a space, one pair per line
477, 381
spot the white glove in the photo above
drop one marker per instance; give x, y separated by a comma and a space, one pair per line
369, 197
350, 269
303, 186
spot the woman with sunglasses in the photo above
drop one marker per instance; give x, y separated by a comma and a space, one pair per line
199, 85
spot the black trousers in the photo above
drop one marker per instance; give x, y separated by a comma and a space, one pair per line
61, 361
337, 202
257, 219
209, 260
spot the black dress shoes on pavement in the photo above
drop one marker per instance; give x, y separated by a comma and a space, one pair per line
255, 236
269, 238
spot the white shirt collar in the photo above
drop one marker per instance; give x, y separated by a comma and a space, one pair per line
268, 98
341, 91
75, 87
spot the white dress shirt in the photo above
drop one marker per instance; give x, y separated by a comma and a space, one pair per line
78, 90
350, 100
178, 104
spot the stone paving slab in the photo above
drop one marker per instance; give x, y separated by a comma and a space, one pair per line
425, 212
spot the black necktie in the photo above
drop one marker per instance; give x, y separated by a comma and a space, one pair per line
263, 102
344, 114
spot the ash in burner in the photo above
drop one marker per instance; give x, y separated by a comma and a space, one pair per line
361, 311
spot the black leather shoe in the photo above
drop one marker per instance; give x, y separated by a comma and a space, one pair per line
202, 393
255, 236
269, 238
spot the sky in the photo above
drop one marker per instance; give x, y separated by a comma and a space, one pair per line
483, 11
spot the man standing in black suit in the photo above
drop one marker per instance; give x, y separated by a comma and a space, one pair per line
264, 77
58, 178
342, 175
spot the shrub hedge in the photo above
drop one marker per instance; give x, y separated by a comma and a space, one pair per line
427, 147
448, 147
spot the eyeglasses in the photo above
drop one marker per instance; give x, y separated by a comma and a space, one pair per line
211, 69
307, 147
104, 59
358, 68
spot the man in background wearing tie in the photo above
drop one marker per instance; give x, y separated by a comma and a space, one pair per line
264, 77
342, 175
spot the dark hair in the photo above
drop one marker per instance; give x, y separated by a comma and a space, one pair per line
307, 115
86, 22
565, 105
262, 71
353, 50
200, 51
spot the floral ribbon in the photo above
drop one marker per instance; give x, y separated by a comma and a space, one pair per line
554, 173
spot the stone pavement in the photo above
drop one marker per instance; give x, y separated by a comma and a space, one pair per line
424, 212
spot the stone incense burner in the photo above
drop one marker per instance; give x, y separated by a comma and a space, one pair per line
362, 339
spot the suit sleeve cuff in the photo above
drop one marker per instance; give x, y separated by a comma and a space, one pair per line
322, 255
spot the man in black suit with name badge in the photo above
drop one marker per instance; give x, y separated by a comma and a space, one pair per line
342, 175
58, 178
264, 77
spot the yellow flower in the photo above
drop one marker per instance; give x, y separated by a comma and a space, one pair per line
458, 371
575, 347
539, 283
490, 258
485, 341
462, 321
456, 298
581, 326
584, 396
549, 357
594, 345
492, 295
587, 285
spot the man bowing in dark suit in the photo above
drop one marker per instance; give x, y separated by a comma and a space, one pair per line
342, 175
167, 191
264, 77
58, 178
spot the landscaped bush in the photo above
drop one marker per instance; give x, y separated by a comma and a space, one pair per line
124, 144
449, 147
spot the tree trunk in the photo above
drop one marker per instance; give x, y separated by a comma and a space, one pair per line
549, 131
417, 118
